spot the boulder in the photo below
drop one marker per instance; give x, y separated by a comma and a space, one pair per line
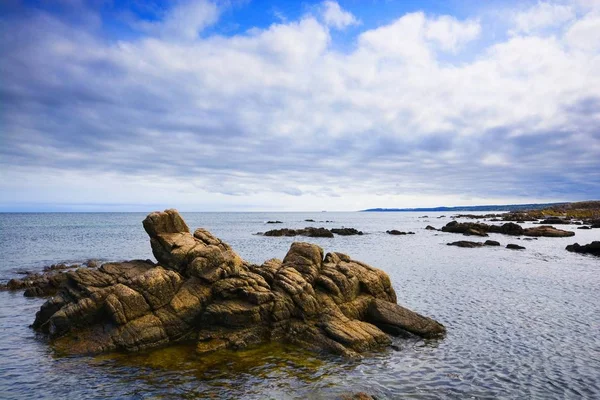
514, 246
491, 243
430, 228
590, 248
202, 291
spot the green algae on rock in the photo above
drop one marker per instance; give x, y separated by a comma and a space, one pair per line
202, 291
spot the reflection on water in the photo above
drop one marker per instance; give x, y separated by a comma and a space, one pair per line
520, 324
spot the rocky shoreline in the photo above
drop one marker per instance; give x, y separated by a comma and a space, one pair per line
202, 291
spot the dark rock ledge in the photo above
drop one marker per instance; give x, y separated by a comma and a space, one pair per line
510, 228
590, 248
202, 291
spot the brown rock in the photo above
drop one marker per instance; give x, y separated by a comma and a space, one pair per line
204, 291
547, 231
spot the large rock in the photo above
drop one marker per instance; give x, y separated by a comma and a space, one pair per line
308, 231
547, 231
509, 228
590, 248
202, 291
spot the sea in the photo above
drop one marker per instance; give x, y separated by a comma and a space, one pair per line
521, 324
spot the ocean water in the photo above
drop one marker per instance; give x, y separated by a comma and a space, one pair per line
521, 324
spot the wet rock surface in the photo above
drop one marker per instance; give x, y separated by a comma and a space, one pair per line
590, 248
397, 232
202, 291
514, 246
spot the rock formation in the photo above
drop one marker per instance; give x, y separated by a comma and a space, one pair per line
202, 291
590, 248
308, 231
313, 232
509, 228
397, 232
346, 231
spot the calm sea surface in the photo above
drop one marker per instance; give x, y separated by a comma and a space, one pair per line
521, 324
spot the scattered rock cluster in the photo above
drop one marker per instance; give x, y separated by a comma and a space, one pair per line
469, 244
201, 290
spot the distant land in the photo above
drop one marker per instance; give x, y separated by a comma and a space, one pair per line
506, 207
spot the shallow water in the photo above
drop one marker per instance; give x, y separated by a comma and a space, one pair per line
521, 324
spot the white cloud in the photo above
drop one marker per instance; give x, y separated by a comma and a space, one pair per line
185, 20
451, 33
542, 15
277, 118
336, 17
585, 33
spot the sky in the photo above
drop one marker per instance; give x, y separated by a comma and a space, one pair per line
258, 105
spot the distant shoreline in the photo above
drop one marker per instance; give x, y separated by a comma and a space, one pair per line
506, 207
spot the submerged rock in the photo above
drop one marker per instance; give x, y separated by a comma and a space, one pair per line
203, 291
431, 228
274, 222
590, 248
397, 232
514, 246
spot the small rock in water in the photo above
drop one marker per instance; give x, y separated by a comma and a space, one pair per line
466, 243
492, 243
514, 246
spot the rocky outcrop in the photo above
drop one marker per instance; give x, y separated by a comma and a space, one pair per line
509, 228
590, 248
313, 232
346, 231
466, 243
397, 232
308, 231
547, 231
202, 291
45, 283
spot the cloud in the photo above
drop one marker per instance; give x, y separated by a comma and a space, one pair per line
184, 21
542, 15
336, 17
276, 117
